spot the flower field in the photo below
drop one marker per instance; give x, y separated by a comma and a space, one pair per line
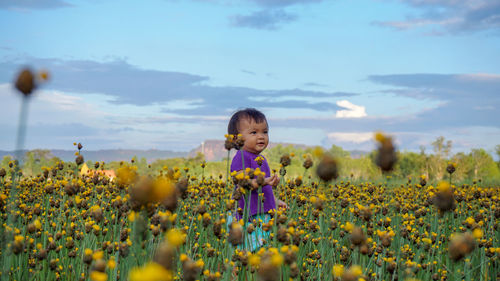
172, 225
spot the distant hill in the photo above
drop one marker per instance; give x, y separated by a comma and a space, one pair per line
108, 155
213, 149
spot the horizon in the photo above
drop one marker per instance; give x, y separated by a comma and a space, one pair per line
169, 74
492, 151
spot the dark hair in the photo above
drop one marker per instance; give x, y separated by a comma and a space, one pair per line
247, 113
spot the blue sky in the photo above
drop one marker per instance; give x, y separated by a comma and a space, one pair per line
168, 74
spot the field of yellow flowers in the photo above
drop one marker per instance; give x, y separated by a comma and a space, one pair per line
62, 225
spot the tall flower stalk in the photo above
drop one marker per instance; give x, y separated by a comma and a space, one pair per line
25, 83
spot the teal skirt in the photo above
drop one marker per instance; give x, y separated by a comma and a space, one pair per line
252, 242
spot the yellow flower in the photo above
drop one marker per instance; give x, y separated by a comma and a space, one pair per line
284, 249
162, 188
126, 175
380, 137
95, 208
277, 260
175, 237
88, 252
240, 176
38, 225
98, 276
348, 226
338, 270
356, 270
254, 260
151, 272
427, 240
98, 255
183, 257
111, 264
444, 187
200, 263
477, 233
318, 151
43, 75
131, 216
257, 171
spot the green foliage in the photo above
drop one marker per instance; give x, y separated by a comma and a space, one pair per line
34, 161
497, 151
474, 165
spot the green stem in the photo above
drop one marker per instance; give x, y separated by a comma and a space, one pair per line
227, 169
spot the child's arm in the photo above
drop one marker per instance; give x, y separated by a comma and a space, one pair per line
274, 181
281, 204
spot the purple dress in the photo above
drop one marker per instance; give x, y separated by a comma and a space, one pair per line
267, 190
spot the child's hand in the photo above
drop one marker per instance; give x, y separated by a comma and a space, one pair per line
281, 204
272, 181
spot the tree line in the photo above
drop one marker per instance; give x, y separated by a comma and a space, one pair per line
475, 165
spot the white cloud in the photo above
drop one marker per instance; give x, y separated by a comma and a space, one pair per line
61, 101
351, 137
402, 25
479, 77
487, 107
352, 111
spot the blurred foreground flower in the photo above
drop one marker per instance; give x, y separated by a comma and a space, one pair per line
27, 82
235, 235
98, 276
191, 269
357, 236
444, 199
270, 266
451, 167
165, 253
386, 157
147, 190
151, 272
327, 168
126, 175
354, 273
461, 245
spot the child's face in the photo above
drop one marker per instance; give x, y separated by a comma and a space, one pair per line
255, 135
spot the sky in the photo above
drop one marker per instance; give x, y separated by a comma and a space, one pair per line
168, 74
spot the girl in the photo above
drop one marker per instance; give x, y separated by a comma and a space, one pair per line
252, 125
